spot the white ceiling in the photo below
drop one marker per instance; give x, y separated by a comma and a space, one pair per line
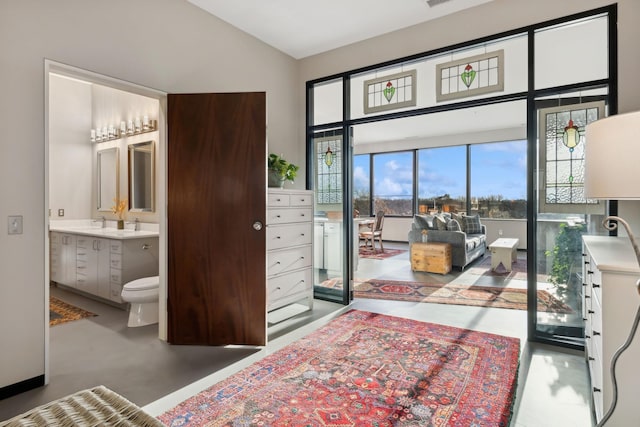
302, 28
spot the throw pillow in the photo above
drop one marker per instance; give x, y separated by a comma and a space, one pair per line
453, 225
460, 219
472, 224
422, 221
440, 222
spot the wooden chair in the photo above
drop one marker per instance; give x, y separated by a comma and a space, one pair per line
375, 233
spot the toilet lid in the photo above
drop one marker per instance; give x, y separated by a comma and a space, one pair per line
143, 284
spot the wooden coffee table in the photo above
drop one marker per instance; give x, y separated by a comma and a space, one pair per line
431, 257
505, 251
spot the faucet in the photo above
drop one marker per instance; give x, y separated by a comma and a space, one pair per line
136, 223
104, 221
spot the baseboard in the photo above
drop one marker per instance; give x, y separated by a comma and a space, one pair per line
21, 387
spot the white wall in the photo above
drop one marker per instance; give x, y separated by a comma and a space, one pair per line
70, 153
168, 45
109, 107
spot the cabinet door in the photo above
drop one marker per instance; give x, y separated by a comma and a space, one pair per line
68, 260
55, 257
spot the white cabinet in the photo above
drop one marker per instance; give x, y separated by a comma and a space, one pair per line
63, 258
333, 249
289, 247
318, 245
610, 301
100, 266
92, 265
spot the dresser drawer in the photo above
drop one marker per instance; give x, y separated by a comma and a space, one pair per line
288, 285
288, 259
284, 216
277, 199
281, 236
84, 243
301, 199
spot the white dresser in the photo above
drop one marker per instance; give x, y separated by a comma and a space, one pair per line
289, 247
610, 300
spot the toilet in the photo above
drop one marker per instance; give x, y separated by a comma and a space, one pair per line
142, 294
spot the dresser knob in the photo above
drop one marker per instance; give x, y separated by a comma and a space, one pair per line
590, 311
591, 359
584, 284
587, 296
595, 285
596, 390
587, 337
596, 333
589, 272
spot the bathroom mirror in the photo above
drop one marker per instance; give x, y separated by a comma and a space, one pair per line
107, 175
141, 176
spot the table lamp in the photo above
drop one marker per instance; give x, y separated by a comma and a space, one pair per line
612, 151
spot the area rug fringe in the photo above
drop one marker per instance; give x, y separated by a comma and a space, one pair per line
98, 406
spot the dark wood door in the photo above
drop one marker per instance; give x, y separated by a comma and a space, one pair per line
216, 193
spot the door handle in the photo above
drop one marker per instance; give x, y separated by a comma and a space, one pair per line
257, 225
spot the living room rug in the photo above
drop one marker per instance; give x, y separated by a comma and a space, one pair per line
368, 252
61, 312
367, 369
484, 296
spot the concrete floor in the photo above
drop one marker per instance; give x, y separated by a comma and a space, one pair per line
553, 387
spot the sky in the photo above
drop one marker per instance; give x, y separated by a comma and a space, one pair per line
497, 169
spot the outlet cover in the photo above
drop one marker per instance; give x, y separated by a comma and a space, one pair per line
15, 224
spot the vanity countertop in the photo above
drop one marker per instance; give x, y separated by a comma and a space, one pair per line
108, 233
91, 228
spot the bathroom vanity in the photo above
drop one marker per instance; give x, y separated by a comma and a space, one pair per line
100, 261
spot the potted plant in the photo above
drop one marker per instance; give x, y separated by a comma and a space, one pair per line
280, 170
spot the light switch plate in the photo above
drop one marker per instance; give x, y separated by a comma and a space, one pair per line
15, 224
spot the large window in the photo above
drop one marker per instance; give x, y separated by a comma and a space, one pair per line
442, 179
499, 179
362, 184
393, 183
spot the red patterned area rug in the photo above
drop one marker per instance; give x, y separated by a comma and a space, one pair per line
484, 296
367, 252
366, 369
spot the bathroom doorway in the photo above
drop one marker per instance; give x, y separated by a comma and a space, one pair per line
79, 106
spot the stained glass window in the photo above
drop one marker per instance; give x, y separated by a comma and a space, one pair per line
470, 76
329, 170
562, 131
390, 92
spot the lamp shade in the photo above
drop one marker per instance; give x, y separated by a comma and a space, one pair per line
612, 158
